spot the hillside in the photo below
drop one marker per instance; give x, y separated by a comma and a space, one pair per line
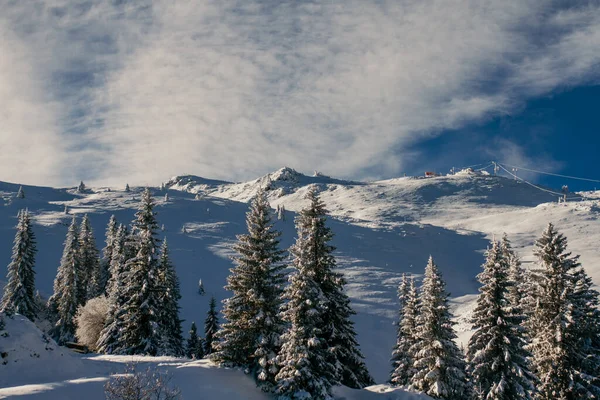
383, 229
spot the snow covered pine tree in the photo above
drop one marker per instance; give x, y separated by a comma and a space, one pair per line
107, 253
249, 336
19, 292
565, 323
497, 360
89, 274
141, 312
169, 322
438, 361
402, 357
110, 340
316, 297
64, 301
211, 326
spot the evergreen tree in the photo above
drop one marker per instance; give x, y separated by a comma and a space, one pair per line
516, 276
559, 323
194, 348
90, 274
586, 326
402, 357
21, 193
211, 326
127, 189
110, 340
249, 337
64, 301
339, 332
141, 313
201, 290
19, 292
81, 188
306, 370
107, 254
169, 321
497, 361
438, 361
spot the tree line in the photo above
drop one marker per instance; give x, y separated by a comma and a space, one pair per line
536, 332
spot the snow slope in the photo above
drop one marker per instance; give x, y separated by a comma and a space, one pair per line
383, 229
34, 367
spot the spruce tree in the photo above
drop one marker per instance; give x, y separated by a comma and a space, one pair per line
249, 336
64, 301
211, 326
438, 361
560, 317
107, 254
89, 263
19, 292
194, 348
81, 188
169, 321
586, 327
497, 360
21, 193
339, 332
402, 357
141, 313
517, 278
110, 340
306, 370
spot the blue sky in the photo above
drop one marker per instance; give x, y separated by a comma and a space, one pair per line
557, 133
123, 91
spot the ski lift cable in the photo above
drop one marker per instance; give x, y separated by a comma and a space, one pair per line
529, 183
550, 173
484, 168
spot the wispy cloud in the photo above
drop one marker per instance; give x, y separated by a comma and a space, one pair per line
230, 89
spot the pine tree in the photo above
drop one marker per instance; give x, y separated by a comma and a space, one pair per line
90, 273
169, 322
586, 326
19, 292
438, 361
211, 326
517, 277
127, 189
339, 332
110, 340
81, 188
107, 254
249, 337
64, 301
559, 322
194, 348
201, 290
402, 357
21, 193
140, 332
497, 360
306, 371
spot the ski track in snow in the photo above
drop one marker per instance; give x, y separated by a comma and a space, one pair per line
382, 230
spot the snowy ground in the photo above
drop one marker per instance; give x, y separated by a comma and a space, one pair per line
383, 229
34, 367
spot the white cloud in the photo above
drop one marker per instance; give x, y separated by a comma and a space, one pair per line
231, 89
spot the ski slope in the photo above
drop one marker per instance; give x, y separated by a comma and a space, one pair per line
383, 229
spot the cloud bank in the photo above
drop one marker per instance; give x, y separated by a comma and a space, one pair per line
139, 91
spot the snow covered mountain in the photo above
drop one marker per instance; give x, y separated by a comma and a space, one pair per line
383, 229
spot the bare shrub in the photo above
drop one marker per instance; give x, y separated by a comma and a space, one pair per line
146, 385
90, 321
